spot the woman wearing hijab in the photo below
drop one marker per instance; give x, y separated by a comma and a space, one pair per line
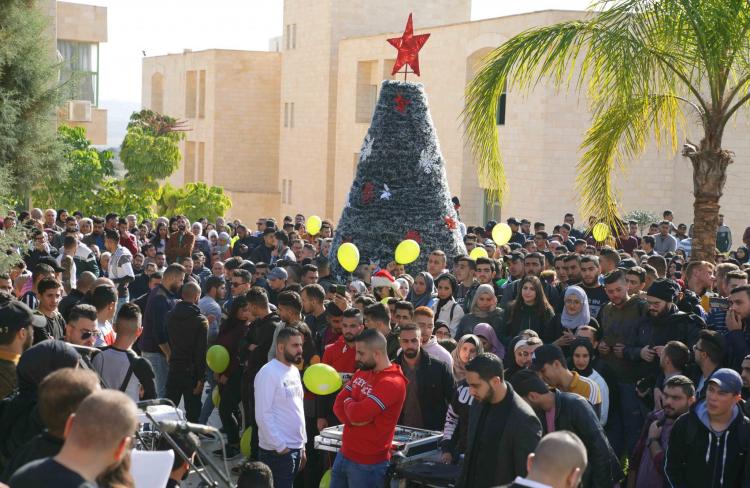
446, 308
581, 362
357, 288
223, 249
457, 417
483, 309
20, 420
742, 255
422, 293
562, 329
490, 342
520, 350
442, 331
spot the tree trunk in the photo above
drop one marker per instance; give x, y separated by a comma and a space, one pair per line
709, 176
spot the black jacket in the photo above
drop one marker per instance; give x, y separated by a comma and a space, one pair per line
436, 388
657, 331
574, 413
188, 331
698, 457
501, 448
42, 446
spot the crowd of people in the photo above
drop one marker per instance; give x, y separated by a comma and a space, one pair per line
555, 360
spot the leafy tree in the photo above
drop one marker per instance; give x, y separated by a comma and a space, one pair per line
29, 95
79, 186
647, 67
194, 200
150, 151
643, 217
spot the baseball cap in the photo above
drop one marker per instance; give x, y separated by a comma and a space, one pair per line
277, 274
15, 315
728, 380
513, 221
546, 354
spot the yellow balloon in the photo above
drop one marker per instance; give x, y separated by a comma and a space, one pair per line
322, 379
348, 256
245, 442
407, 251
501, 233
325, 481
384, 301
600, 231
313, 225
478, 252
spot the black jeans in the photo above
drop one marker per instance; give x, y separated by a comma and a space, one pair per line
230, 399
181, 385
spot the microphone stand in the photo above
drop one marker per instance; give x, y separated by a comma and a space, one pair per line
204, 456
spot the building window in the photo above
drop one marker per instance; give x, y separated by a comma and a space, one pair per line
202, 161
492, 210
189, 161
294, 36
286, 114
202, 94
157, 92
500, 115
291, 115
289, 192
367, 91
191, 92
290, 38
387, 68
80, 67
283, 191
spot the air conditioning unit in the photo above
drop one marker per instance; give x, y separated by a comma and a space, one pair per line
79, 111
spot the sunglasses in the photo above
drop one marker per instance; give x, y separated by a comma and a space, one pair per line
86, 334
237, 285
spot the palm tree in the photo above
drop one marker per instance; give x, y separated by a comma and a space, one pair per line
648, 67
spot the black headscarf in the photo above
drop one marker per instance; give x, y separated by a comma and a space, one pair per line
582, 341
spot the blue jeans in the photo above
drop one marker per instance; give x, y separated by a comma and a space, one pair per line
348, 474
208, 403
283, 466
161, 370
626, 420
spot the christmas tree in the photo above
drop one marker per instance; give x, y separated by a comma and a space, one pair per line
400, 190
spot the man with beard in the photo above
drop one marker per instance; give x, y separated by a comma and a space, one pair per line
369, 406
647, 461
430, 387
17, 323
154, 341
341, 356
664, 323
279, 412
503, 428
590, 272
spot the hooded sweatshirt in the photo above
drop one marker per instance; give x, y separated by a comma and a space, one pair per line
699, 457
374, 398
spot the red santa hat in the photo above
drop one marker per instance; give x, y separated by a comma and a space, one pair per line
383, 278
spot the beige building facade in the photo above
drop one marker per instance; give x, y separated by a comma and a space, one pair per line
230, 103
78, 31
331, 59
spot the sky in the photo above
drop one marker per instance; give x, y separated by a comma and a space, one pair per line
170, 26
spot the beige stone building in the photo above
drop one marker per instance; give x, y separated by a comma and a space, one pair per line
330, 61
78, 31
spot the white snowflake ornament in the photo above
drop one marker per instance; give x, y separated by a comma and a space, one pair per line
366, 149
386, 193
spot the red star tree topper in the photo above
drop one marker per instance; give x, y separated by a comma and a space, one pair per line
408, 46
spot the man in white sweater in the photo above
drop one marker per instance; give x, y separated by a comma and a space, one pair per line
279, 411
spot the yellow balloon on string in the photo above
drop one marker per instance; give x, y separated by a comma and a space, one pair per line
313, 225
501, 233
478, 252
600, 232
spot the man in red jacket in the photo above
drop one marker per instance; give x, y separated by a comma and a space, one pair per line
341, 356
369, 407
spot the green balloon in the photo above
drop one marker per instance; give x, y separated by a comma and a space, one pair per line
325, 481
217, 358
245, 448
322, 379
216, 396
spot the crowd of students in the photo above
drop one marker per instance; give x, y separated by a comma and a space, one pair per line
639, 354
